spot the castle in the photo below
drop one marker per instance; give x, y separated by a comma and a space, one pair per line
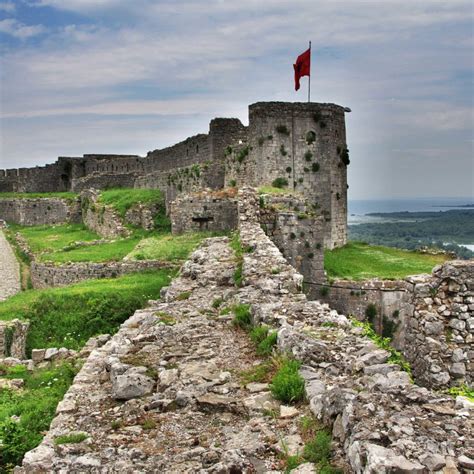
301, 146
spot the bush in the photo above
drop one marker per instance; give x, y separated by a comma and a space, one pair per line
287, 384
288, 169
324, 291
318, 449
283, 151
308, 155
265, 347
242, 154
371, 313
280, 183
345, 156
315, 167
242, 316
232, 183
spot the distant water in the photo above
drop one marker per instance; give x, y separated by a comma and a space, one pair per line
358, 208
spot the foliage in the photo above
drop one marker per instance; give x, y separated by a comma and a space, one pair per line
345, 156
69, 316
371, 313
183, 296
242, 316
463, 391
264, 339
359, 261
280, 183
318, 450
324, 291
259, 373
315, 167
310, 137
35, 406
273, 190
412, 230
287, 384
308, 155
242, 154
283, 151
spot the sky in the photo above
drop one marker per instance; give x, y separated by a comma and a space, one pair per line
129, 76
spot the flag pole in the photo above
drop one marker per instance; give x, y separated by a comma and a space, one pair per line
309, 77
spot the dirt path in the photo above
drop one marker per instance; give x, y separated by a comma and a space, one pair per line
9, 270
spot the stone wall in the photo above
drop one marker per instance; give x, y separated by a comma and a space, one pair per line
429, 317
206, 210
98, 180
45, 275
296, 231
41, 211
13, 338
104, 220
439, 337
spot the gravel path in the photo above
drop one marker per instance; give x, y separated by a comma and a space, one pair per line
9, 270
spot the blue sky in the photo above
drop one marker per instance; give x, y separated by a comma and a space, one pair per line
116, 76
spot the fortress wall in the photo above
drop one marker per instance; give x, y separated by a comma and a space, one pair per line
41, 211
104, 220
207, 210
109, 164
298, 234
45, 275
104, 181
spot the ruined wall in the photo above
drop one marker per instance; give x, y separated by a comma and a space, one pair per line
104, 220
429, 317
440, 335
41, 211
104, 181
13, 338
45, 275
296, 231
207, 210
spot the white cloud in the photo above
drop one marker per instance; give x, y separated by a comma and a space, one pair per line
16, 29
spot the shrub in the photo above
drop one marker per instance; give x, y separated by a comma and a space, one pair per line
308, 155
338, 196
259, 333
232, 183
371, 313
300, 180
265, 347
242, 316
183, 296
287, 384
242, 154
280, 183
345, 156
292, 236
283, 151
315, 167
306, 169
288, 169
282, 129
322, 124
261, 202
269, 137
311, 255
310, 137
318, 449
217, 302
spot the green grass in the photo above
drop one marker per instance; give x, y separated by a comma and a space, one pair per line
242, 316
287, 384
358, 261
35, 406
123, 199
47, 238
264, 339
65, 195
169, 247
69, 316
274, 190
72, 438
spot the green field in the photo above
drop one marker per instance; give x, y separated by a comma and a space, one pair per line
358, 261
65, 195
69, 316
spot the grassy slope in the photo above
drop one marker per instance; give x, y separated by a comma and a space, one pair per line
65, 195
357, 261
168, 246
67, 317
124, 199
47, 238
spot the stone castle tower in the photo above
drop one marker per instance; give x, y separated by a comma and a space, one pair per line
303, 147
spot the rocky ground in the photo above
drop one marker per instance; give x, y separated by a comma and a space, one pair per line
9, 270
166, 393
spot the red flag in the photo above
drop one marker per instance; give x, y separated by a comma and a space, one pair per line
302, 67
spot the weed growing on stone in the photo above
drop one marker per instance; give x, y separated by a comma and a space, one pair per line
463, 391
242, 316
287, 384
116, 424
217, 302
72, 438
283, 129
384, 343
165, 318
183, 296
